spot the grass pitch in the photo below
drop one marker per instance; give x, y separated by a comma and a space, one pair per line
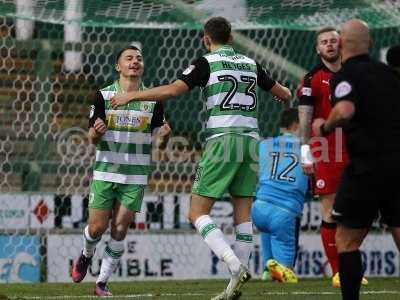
311, 289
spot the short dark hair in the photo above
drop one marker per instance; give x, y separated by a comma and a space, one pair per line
323, 30
219, 30
129, 47
288, 117
393, 56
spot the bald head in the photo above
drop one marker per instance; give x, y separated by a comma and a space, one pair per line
355, 37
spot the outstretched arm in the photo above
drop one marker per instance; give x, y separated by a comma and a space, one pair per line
265, 82
281, 92
160, 93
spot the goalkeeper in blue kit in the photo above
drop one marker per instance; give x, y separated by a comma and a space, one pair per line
279, 200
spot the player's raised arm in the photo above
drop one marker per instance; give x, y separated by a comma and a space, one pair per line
281, 92
197, 74
160, 93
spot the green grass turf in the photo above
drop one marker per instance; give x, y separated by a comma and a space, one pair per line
312, 289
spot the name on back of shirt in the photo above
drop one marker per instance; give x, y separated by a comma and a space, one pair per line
235, 66
287, 144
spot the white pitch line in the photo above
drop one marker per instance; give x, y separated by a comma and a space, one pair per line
294, 293
337, 293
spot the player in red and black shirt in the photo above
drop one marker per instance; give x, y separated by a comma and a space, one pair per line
328, 156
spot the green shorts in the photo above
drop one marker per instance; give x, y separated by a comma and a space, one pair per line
103, 195
229, 163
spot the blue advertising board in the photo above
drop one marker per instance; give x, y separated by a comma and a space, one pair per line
19, 258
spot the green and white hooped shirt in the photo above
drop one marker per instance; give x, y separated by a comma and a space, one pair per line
123, 154
229, 81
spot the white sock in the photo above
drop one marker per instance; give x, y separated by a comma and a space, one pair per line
111, 258
90, 243
214, 238
244, 242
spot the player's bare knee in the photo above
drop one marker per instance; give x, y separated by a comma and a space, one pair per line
199, 206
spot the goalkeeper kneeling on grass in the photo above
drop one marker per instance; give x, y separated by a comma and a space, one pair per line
279, 200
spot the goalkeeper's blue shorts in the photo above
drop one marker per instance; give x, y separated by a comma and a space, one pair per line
281, 227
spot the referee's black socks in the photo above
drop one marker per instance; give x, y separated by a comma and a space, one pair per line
350, 272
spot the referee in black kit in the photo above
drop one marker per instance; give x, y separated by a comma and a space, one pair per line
365, 95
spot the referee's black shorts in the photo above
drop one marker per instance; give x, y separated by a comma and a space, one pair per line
367, 191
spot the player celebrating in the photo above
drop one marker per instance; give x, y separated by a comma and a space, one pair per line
329, 158
123, 139
229, 81
280, 199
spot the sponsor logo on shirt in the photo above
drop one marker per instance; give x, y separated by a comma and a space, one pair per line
128, 121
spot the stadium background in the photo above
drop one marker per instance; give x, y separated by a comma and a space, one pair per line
55, 54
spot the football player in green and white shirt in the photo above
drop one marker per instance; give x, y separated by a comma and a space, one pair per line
229, 81
122, 166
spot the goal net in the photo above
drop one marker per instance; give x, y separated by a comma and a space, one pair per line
55, 54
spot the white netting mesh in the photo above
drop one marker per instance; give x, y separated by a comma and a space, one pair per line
45, 158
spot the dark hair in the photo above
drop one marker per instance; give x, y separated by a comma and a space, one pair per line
219, 30
393, 56
288, 117
323, 30
130, 47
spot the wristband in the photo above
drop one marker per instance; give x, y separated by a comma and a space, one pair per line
306, 157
